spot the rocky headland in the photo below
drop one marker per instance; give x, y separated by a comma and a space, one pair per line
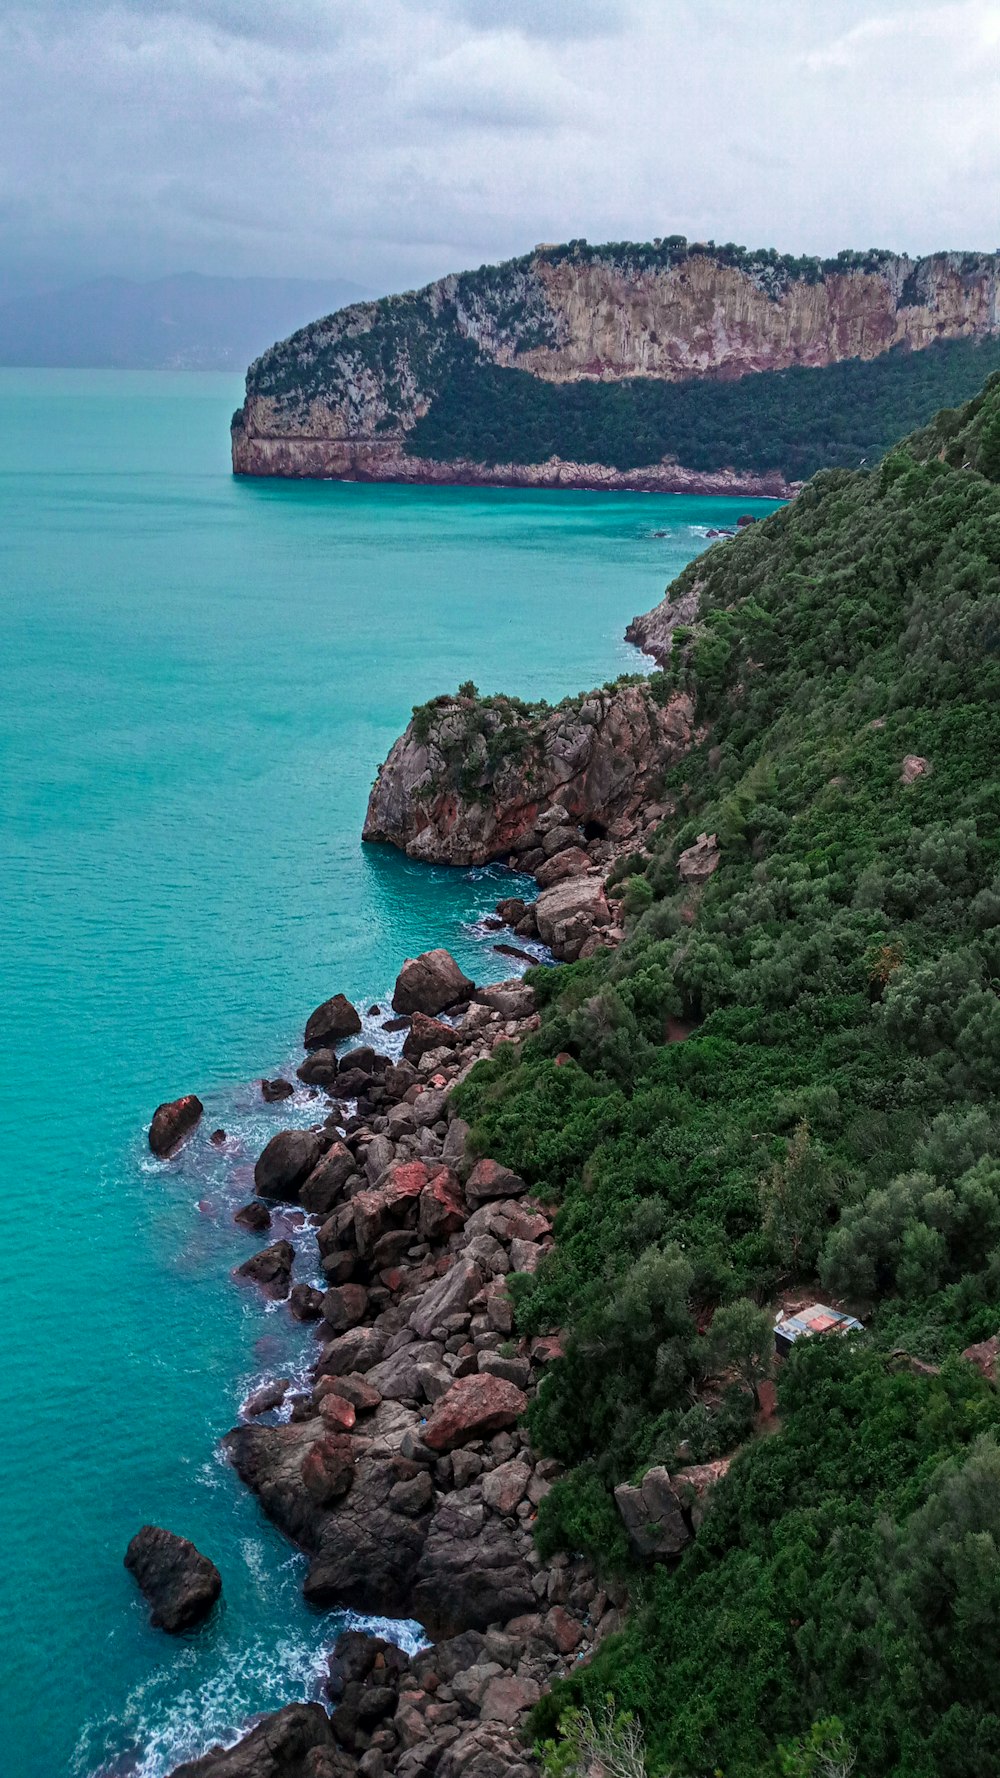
472, 378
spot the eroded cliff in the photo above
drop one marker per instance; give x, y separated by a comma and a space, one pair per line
365, 393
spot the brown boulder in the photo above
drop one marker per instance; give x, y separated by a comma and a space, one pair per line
427, 1034
271, 1091
296, 1742
474, 1407
344, 1306
489, 1179
271, 1268
558, 869
254, 1216
327, 1469
430, 983
331, 1023
172, 1122
180, 1583
286, 1164
984, 1356
442, 1207
698, 862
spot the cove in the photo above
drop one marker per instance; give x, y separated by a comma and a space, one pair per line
198, 678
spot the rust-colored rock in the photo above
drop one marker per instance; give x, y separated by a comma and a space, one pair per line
474, 1407
431, 982
327, 1468
442, 1206
985, 1356
172, 1122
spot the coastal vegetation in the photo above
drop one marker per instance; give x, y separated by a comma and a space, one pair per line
828, 1126
796, 421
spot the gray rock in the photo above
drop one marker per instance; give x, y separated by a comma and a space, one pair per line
652, 1515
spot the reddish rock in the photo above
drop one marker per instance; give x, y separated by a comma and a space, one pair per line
699, 861
305, 1302
362, 1395
345, 1306
489, 1180
389, 1202
545, 1349
331, 1023
442, 1206
428, 1034
336, 1413
430, 983
564, 1632
507, 1697
327, 1468
271, 1268
914, 767
570, 863
254, 1216
474, 1407
984, 1356
172, 1122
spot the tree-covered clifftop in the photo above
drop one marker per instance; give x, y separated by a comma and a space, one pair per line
829, 1127
627, 365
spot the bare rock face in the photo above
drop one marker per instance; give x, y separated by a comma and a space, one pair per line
180, 1583
700, 861
430, 983
652, 1515
468, 780
172, 1122
473, 1408
653, 631
568, 914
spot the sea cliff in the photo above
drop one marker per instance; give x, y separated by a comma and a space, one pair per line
608, 367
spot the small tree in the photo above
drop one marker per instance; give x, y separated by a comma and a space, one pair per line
824, 1752
795, 1197
608, 1745
742, 1337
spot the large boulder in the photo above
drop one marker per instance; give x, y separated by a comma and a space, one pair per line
271, 1268
474, 1407
430, 983
652, 1515
172, 1122
296, 1742
699, 861
426, 1034
286, 1164
470, 1573
180, 1583
569, 913
489, 1180
320, 1191
331, 1023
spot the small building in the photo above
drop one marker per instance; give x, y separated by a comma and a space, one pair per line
802, 1324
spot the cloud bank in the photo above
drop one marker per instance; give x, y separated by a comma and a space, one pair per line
390, 140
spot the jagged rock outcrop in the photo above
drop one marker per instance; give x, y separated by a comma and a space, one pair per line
180, 1583
470, 778
343, 397
653, 631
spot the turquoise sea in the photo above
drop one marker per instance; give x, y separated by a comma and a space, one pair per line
198, 678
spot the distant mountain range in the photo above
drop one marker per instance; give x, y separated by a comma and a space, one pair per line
186, 322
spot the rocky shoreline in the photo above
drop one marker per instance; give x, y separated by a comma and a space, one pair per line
308, 458
402, 1467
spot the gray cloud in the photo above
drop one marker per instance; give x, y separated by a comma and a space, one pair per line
391, 140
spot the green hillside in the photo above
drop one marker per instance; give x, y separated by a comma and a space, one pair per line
796, 421
831, 1123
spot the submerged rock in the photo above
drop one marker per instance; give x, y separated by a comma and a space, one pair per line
180, 1583
271, 1268
173, 1121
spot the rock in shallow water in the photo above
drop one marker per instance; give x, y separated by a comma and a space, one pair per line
180, 1583
430, 983
296, 1742
331, 1022
173, 1121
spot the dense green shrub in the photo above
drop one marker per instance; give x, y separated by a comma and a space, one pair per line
835, 1104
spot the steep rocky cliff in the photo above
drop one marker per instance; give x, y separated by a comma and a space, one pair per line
449, 382
472, 780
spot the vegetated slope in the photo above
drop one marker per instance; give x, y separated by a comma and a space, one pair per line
831, 1122
627, 365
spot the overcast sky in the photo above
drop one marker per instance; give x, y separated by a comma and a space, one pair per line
389, 141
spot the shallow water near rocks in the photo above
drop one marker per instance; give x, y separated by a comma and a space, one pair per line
198, 678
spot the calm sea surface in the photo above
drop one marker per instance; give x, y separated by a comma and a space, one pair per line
198, 678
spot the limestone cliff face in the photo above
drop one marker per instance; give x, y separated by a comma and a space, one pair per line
472, 781
339, 398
